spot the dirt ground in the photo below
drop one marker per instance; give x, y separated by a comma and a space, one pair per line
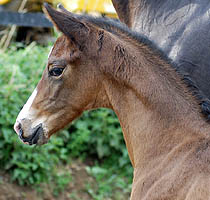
74, 191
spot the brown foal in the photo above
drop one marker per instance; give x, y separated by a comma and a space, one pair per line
100, 63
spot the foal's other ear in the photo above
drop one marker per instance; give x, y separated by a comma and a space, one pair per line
62, 9
65, 22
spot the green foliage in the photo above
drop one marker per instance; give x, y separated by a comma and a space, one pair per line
98, 133
107, 179
62, 180
95, 134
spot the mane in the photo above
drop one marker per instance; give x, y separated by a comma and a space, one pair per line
116, 27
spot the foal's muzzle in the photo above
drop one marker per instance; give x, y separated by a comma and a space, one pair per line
34, 136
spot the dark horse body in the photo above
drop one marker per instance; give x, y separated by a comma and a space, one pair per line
181, 28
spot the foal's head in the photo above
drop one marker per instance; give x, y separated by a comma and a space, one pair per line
71, 81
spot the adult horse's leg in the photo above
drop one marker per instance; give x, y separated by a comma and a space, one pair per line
123, 10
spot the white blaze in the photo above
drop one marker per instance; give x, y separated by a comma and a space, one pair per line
25, 112
50, 52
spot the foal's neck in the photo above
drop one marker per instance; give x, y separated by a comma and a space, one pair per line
154, 107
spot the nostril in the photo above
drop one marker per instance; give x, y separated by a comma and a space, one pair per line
18, 128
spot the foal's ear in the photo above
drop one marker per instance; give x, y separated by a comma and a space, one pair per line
65, 22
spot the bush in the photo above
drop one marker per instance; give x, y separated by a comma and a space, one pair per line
96, 133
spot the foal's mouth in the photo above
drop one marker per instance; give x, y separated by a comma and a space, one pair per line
33, 139
37, 136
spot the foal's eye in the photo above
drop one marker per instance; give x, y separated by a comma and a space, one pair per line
57, 71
